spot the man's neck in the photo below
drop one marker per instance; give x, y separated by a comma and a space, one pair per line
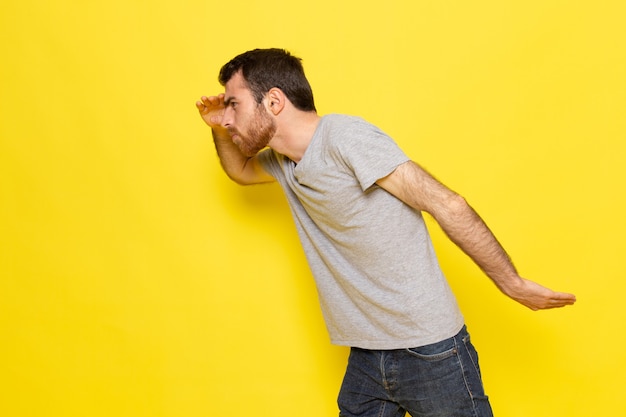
294, 134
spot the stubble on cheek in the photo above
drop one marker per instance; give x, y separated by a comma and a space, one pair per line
261, 131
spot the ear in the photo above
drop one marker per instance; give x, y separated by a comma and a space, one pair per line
276, 100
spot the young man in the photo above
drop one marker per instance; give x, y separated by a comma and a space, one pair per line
357, 201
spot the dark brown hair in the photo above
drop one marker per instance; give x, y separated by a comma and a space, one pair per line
264, 69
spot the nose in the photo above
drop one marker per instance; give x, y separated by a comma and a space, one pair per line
227, 117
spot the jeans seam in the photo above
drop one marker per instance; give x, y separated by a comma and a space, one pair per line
381, 412
467, 385
465, 341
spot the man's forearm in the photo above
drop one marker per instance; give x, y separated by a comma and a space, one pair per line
415, 187
231, 158
468, 231
471, 234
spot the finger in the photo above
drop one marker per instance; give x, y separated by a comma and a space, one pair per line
565, 297
561, 302
215, 101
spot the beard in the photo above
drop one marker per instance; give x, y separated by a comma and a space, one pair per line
261, 131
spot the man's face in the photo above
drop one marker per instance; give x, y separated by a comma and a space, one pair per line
250, 126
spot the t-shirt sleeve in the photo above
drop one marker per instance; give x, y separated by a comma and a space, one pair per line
369, 152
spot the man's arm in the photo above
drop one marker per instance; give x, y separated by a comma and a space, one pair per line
415, 187
240, 168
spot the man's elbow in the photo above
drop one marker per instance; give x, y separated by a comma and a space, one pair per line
238, 179
456, 207
247, 177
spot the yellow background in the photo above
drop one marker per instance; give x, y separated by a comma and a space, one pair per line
136, 280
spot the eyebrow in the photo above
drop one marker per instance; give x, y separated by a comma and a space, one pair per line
228, 100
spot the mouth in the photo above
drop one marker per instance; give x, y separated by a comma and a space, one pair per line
233, 133
236, 139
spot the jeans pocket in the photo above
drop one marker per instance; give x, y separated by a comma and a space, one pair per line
436, 351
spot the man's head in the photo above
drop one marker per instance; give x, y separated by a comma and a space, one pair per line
264, 69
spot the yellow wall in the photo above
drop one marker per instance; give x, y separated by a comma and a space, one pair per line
136, 280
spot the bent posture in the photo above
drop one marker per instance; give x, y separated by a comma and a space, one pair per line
357, 201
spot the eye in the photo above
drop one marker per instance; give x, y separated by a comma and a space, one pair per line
233, 105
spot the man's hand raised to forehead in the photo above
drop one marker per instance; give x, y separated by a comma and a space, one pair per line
212, 110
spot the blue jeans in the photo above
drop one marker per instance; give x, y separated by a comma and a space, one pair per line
438, 380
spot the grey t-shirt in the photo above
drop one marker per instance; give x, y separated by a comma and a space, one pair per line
377, 275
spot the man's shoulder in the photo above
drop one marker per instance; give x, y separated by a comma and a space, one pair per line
346, 125
342, 119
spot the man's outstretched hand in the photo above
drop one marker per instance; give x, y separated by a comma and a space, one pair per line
538, 297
